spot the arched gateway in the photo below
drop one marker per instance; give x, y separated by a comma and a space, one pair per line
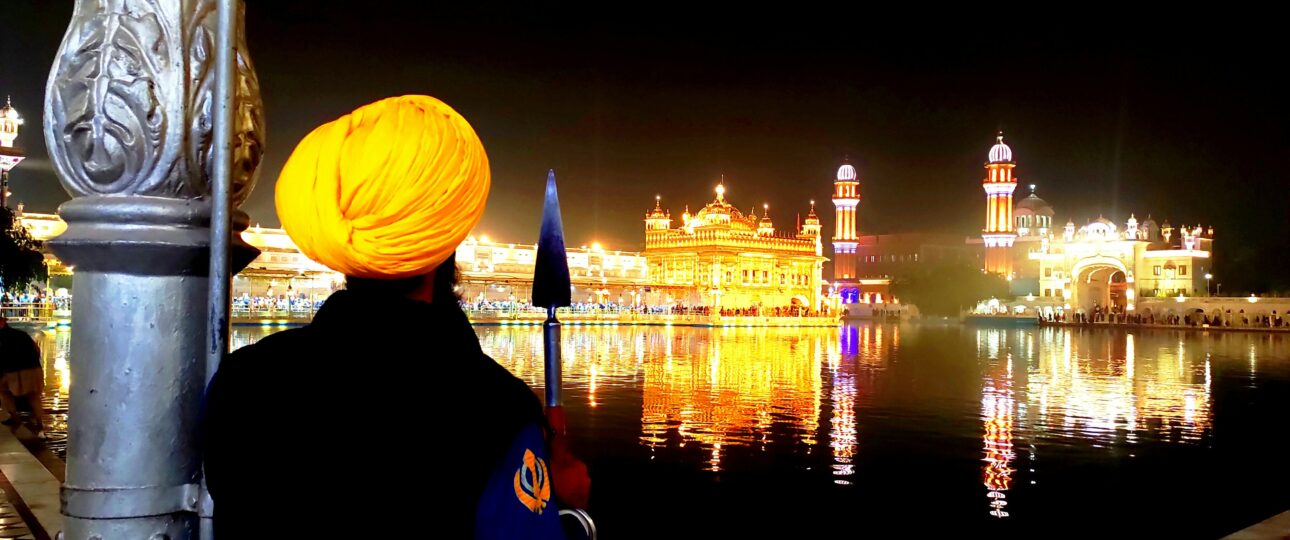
1101, 281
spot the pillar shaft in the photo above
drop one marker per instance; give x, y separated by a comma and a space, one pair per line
129, 129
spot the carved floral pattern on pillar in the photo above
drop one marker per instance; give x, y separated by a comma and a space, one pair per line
129, 98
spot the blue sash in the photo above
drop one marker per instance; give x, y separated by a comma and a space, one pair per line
519, 499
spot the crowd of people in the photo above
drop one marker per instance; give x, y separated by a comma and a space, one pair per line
512, 306
294, 303
21, 305
301, 303
25, 297
1192, 318
762, 311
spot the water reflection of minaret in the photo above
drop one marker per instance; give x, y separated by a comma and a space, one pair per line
871, 351
842, 425
862, 357
997, 405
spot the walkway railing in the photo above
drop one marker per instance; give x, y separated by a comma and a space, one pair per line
32, 312
293, 313
600, 316
301, 314
1255, 324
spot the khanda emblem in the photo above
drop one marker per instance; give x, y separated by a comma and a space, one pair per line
532, 484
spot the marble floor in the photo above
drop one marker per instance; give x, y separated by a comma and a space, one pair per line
29, 501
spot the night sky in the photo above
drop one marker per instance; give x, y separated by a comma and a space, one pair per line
1187, 124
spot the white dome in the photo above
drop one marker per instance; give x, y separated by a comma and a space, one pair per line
8, 112
847, 173
1000, 153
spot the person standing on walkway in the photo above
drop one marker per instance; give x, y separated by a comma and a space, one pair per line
384, 408
21, 376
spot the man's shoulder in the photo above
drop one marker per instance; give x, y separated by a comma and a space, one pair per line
271, 349
10, 331
276, 340
511, 388
13, 337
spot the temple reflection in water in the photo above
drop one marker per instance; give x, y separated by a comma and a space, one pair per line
810, 399
712, 389
1053, 385
724, 389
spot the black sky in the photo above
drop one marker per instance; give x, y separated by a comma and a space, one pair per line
1183, 121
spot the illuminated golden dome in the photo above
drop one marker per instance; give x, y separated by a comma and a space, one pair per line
657, 212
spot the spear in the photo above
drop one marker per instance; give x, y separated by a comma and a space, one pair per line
551, 290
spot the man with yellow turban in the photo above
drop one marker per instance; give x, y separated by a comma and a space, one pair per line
382, 418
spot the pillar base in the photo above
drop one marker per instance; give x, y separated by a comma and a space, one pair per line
138, 332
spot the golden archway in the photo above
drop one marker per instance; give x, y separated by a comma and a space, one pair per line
1100, 281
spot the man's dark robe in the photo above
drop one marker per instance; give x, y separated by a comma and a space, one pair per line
382, 418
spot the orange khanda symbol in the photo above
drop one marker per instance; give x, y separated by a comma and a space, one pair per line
532, 485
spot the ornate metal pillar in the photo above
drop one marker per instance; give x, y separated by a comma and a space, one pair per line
128, 116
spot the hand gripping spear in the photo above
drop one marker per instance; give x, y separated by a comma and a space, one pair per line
551, 290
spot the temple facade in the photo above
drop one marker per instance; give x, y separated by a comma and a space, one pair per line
723, 258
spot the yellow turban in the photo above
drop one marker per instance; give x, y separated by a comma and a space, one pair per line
387, 191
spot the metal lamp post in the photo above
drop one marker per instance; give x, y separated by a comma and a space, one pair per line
131, 113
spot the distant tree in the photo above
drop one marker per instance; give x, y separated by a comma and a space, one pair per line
944, 288
21, 262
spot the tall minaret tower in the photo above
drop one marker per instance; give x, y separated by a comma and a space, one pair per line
999, 232
846, 195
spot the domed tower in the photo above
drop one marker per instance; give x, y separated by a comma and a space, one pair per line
719, 212
1000, 232
10, 120
766, 227
846, 196
811, 227
10, 155
1033, 216
657, 219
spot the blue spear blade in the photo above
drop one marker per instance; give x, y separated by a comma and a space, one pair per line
551, 272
